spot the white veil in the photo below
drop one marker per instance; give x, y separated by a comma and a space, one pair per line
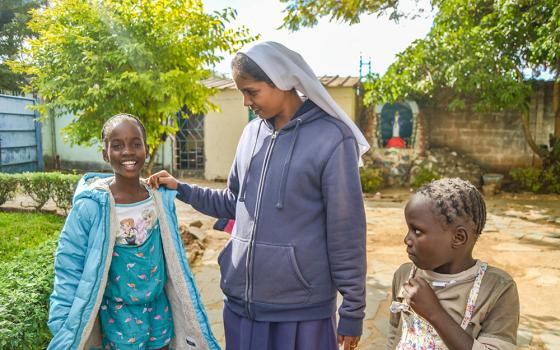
288, 70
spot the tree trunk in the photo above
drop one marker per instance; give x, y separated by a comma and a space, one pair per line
528, 137
556, 102
152, 161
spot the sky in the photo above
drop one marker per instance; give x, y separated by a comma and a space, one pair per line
330, 48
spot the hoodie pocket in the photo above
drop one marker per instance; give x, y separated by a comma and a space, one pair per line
277, 277
232, 261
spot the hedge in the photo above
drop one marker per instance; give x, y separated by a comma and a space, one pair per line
8, 187
40, 187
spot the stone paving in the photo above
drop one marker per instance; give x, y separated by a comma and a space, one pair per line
506, 242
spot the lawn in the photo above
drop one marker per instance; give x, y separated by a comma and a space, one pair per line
20, 231
27, 245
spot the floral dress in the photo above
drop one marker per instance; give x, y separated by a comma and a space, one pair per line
417, 333
135, 312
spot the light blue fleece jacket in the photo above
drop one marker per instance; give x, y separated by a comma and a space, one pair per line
82, 261
300, 229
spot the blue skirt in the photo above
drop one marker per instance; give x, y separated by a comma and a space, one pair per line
245, 334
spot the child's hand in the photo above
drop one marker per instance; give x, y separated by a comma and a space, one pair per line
163, 178
422, 298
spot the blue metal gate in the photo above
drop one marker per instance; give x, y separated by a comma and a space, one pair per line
20, 135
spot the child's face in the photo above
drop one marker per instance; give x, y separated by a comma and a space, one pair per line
429, 243
265, 100
125, 149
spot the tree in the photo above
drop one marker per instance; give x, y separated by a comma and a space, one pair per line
484, 51
14, 15
145, 57
305, 13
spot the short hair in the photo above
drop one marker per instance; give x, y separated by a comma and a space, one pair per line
248, 69
456, 198
115, 120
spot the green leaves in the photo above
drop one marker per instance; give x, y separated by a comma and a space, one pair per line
305, 13
8, 187
97, 58
481, 51
25, 286
14, 15
40, 187
26, 230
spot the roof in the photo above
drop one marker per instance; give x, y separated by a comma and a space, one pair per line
330, 81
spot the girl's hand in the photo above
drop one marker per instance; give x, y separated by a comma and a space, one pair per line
422, 298
163, 178
349, 342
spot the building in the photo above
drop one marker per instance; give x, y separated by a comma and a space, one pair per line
204, 146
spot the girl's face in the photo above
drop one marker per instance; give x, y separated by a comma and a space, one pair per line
125, 149
429, 243
265, 100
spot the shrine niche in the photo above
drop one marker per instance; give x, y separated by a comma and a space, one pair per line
396, 124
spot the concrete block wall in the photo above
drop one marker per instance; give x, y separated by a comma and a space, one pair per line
494, 140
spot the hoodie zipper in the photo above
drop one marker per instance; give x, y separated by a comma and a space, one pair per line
249, 262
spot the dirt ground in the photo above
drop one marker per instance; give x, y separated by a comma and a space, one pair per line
521, 237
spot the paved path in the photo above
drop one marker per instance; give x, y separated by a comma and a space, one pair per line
529, 251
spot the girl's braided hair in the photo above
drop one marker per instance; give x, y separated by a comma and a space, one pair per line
455, 198
118, 118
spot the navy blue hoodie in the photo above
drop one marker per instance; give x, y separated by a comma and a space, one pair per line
300, 227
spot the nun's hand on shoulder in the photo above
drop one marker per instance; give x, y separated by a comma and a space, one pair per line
163, 178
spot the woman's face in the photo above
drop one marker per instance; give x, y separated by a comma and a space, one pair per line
265, 100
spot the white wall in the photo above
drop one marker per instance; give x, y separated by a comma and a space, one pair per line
86, 158
222, 131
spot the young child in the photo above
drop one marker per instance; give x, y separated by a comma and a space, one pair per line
446, 298
122, 280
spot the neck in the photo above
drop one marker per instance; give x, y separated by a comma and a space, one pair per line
456, 266
292, 104
126, 187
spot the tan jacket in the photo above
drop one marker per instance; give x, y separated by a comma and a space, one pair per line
495, 320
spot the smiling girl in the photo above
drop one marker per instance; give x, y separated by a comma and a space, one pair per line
122, 280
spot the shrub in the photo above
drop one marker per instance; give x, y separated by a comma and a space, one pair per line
527, 178
38, 186
25, 286
551, 178
371, 179
423, 176
537, 180
8, 187
63, 186
20, 231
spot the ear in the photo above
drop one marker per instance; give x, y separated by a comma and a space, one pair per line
460, 237
105, 155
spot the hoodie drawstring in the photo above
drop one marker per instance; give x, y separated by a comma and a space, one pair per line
286, 167
244, 185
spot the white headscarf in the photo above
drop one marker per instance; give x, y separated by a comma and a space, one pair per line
288, 70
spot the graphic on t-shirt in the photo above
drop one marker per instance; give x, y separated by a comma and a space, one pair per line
135, 230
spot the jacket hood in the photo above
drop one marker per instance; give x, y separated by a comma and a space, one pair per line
307, 113
310, 113
94, 186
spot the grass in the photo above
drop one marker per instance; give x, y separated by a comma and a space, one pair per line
20, 231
